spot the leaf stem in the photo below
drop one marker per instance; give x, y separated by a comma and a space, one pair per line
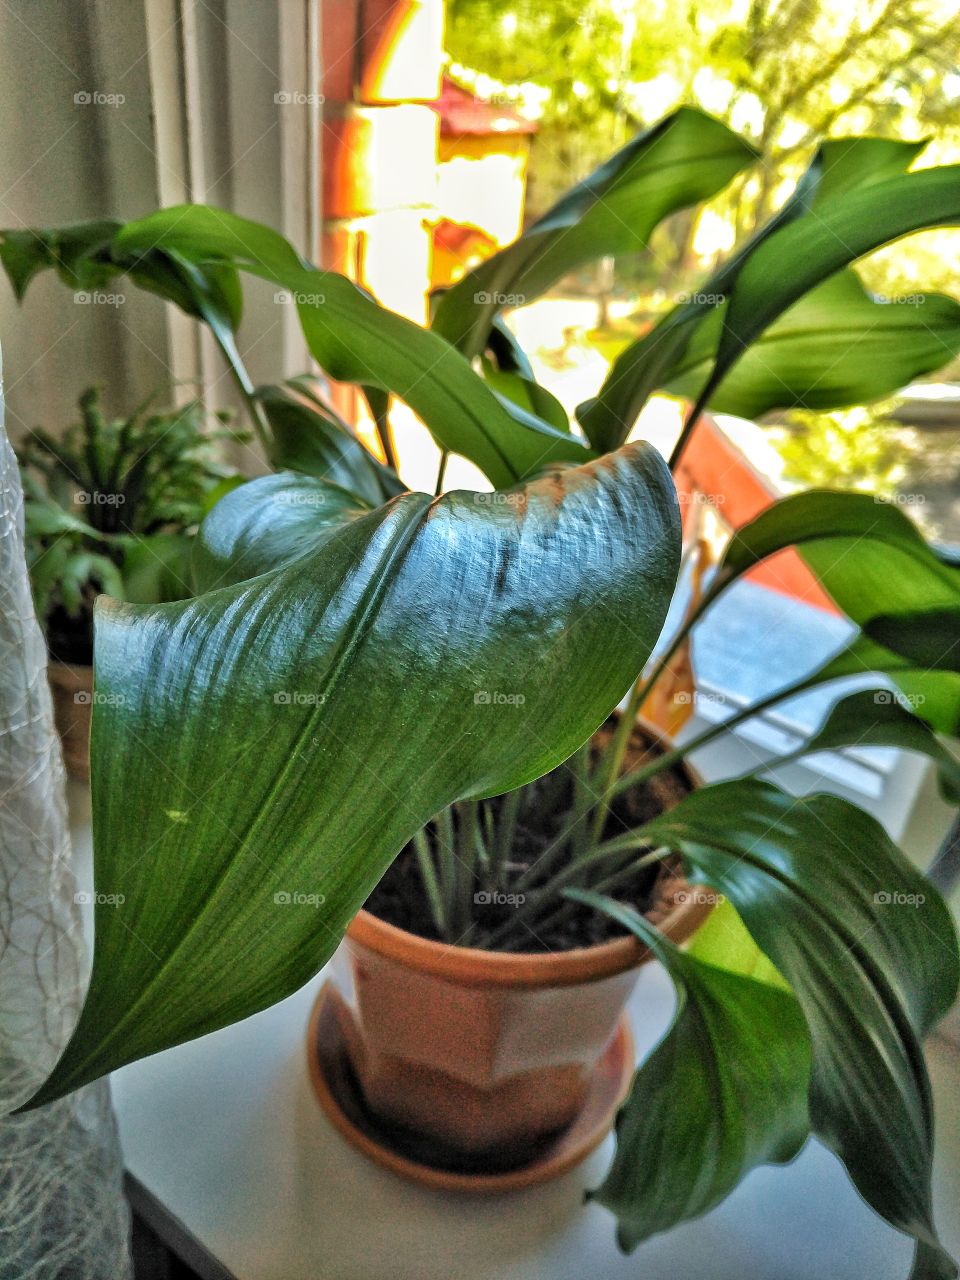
441, 472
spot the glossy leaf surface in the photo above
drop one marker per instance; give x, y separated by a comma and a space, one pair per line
723, 1092
264, 750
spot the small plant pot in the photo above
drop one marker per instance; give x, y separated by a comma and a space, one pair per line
475, 1060
72, 690
488, 1055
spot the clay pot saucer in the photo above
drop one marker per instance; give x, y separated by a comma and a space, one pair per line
414, 1157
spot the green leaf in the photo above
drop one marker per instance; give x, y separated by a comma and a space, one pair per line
874, 562
44, 518
849, 164
503, 347
651, 362
879, 718
23, 254
869, 950
799, 256
862, 549
156, 568
723, 1092
837, 346
684, 159
268, 523
310, 436
935, 693
930, 637
290, 734
527, 394
723, 940
355, 340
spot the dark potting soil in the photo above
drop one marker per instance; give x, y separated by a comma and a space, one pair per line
400, 900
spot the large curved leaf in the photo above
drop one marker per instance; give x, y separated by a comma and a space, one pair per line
874, 562
864, 551
650, 363
869, 950
935, 694
685, 158
356, 340
837, 346
527, 394
268, 523
723, 1092
929, 636
263, 751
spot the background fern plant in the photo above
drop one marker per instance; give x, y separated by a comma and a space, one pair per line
111, 507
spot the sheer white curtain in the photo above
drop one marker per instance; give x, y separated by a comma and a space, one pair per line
62, 1211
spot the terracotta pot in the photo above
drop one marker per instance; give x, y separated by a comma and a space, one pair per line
484, 1052
72, 689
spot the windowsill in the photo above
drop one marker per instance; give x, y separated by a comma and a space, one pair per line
226, 1133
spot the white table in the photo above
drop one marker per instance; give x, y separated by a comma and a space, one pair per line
227, 1134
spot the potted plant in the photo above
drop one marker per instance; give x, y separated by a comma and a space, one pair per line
328, 684
111, 508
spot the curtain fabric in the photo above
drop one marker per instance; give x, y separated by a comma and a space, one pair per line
62, 1212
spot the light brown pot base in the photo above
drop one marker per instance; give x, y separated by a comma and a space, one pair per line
411, 1155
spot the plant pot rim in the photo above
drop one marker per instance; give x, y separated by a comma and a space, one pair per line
473, 966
